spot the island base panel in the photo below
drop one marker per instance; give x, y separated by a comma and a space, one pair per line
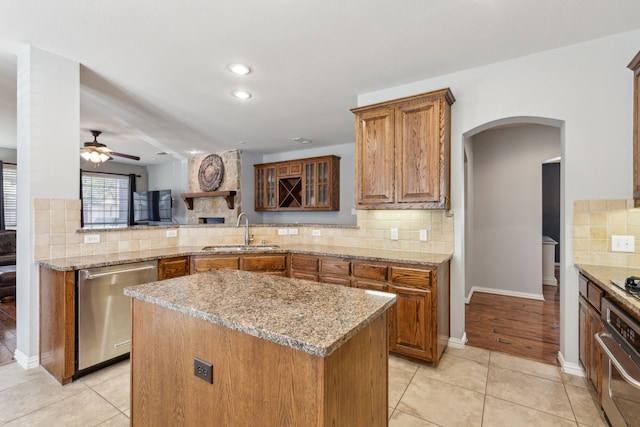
255, 382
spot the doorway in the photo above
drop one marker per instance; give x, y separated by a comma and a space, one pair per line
508, 309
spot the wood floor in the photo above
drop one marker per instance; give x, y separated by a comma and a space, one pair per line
517, 326
7, 331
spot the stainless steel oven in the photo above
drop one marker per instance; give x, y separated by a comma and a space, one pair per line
620, 343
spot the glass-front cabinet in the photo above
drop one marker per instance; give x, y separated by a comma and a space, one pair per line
301, 184
265, 187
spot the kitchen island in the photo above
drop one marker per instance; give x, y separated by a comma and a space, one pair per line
283, 352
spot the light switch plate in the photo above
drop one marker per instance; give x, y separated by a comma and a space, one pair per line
293, 231
423, 235
622, 243
282, 231
316, 233
172, 233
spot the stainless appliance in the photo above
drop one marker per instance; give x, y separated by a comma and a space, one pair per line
620, 343
104, 313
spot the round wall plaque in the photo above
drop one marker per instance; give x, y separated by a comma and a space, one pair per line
210, 173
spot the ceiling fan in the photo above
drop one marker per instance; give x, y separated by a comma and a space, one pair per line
96, 152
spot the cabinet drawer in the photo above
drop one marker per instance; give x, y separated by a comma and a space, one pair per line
199, 265
374, 286
335, 267
582, 285
264, 263
290, 169
304, 276
169, 268
370, 271
594, 295
304, 263
411, 276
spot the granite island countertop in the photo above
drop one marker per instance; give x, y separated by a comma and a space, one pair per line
307, 316
370, 254
602, 276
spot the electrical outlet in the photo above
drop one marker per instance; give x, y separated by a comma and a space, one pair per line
423, 235
172, 233
622, 244
316, 233
202, 369
282, 231
293, 231
394, 234
92, 238
353, 211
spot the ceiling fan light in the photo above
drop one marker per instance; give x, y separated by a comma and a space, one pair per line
85, 154
104, 157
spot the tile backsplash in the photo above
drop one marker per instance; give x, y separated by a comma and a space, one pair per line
594, 222
57, 223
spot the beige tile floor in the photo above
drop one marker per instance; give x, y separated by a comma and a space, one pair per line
470, 387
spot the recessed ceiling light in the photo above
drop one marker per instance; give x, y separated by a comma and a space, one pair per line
301, 140
239, 69
241, 94
242, 142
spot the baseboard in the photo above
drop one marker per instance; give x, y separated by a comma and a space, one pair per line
516, 294
458, 342
570, 368
25, 361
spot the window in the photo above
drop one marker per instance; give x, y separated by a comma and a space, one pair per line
9, 188
105, 200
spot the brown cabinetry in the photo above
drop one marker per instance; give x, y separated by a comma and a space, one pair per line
403, 152
589, 324
634, 66
169, 268
418, 322
273, 264
301, 184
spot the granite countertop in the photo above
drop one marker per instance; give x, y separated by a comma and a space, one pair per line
311, 317
602, 276
371, 254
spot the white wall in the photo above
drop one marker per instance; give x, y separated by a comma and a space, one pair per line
586, 86
9, 155
505, 232
346, 152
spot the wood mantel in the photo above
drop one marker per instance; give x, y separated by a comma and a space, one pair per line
229, 196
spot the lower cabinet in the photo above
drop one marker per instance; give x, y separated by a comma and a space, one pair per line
418, 322
168, 268
275, 264
589, 324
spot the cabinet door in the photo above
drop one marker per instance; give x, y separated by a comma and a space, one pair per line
264, 263
583, 334
411, 323
201, 264
173, 267
265, 187
374, 157
418, 144
595, 356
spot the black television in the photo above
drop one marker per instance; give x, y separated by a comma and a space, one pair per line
151, 207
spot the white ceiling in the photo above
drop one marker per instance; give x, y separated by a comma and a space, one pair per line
154, 72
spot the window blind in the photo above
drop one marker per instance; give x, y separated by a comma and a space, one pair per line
105, 200
9, 187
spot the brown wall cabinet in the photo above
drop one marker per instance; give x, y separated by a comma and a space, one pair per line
418, 322
298, 185
635, 67
589, 324
403, 152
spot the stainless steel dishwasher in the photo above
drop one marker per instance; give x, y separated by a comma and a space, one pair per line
104, 314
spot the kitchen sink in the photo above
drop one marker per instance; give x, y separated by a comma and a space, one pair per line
240, 248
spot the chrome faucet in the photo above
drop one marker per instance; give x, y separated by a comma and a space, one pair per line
247, 239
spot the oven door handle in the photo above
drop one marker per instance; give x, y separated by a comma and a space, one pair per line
620, 359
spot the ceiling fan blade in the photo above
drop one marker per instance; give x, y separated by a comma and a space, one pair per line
126, 156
